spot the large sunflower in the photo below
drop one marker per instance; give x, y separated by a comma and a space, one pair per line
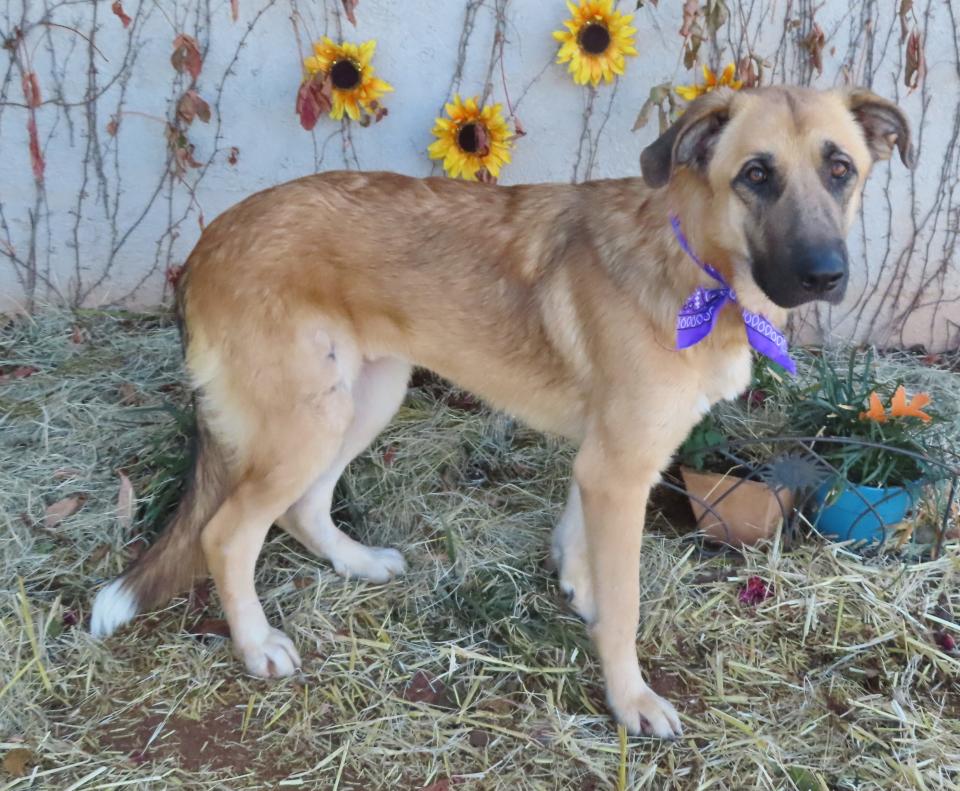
471, 140
596, 41
354, 85
710, 83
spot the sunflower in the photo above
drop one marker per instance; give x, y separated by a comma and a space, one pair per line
596, 41
710, 82
472, 140
354, 86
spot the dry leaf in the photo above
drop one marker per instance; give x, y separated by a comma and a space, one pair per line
20, 372
518, 130
126, 500
61, 509
211, 626
440, 785
657, 95
814, 43
750, 71
916, 64
691, 10
192, 105
350, 7
314, 99
423, 688
174, 271
16, 762
36, 157
31, 88
906, 6
234, 155
117, 9
235, 9
113, 125
186, 55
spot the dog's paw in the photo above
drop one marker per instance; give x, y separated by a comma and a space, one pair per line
375, 564
271, 656
576, 584
644, 712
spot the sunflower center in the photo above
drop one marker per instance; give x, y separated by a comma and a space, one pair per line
345, 75
468, 138
594, 38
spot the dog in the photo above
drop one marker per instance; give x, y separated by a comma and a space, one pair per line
305, 306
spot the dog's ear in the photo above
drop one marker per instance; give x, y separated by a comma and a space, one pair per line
689, 141
884, 125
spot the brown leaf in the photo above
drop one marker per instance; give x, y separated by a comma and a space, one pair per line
31, 88
174, 271
518, 129
350, 7
129, 394
234, 155
814, 43
98, 554
117, 9
906, 6
113, 126
186, 55
126, 502
750, 71
658, 94
17, 761
235, 9
191, 106
211, 626
60, 510
36, 157
314, 99
691, 10
478, 738
916, 63
79, 335
423, 688
19, 372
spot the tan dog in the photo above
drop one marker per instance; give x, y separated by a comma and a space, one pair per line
306, 305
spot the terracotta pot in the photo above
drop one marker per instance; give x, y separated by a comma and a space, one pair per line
749, 513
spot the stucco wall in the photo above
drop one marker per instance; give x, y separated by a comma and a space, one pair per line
106, 219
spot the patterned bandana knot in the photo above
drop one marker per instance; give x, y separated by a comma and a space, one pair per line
699, 313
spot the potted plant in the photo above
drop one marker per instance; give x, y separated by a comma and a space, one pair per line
731, 502
874, 437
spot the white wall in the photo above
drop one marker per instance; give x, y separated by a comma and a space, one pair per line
107, 220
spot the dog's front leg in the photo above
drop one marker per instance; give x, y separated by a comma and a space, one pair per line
614, 488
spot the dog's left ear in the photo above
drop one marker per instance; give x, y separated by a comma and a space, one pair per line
689, 141
884, 125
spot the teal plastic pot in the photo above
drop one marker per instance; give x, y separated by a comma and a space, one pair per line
859, 513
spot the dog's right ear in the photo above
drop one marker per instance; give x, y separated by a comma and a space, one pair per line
689, 141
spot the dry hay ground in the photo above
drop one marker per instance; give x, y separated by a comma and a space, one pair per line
468, 672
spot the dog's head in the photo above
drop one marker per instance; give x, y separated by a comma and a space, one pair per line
779, 172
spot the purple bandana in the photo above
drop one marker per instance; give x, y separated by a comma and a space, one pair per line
699, 313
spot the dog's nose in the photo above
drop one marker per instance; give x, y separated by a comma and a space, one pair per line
823, 271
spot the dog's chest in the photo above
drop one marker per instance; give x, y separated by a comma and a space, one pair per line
725, 376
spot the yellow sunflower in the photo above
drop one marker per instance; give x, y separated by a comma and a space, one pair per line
710, 82
355, 87
596, 41
471, 140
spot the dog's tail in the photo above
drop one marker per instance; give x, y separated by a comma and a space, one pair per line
175, 560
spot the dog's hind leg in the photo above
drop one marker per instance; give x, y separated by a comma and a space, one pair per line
291, 413
377, 394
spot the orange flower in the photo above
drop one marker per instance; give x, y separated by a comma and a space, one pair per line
900, 407
876, 412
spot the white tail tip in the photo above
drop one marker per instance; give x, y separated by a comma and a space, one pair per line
114, 606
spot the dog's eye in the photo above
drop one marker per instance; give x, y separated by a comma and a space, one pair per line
839, 169
756, 174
